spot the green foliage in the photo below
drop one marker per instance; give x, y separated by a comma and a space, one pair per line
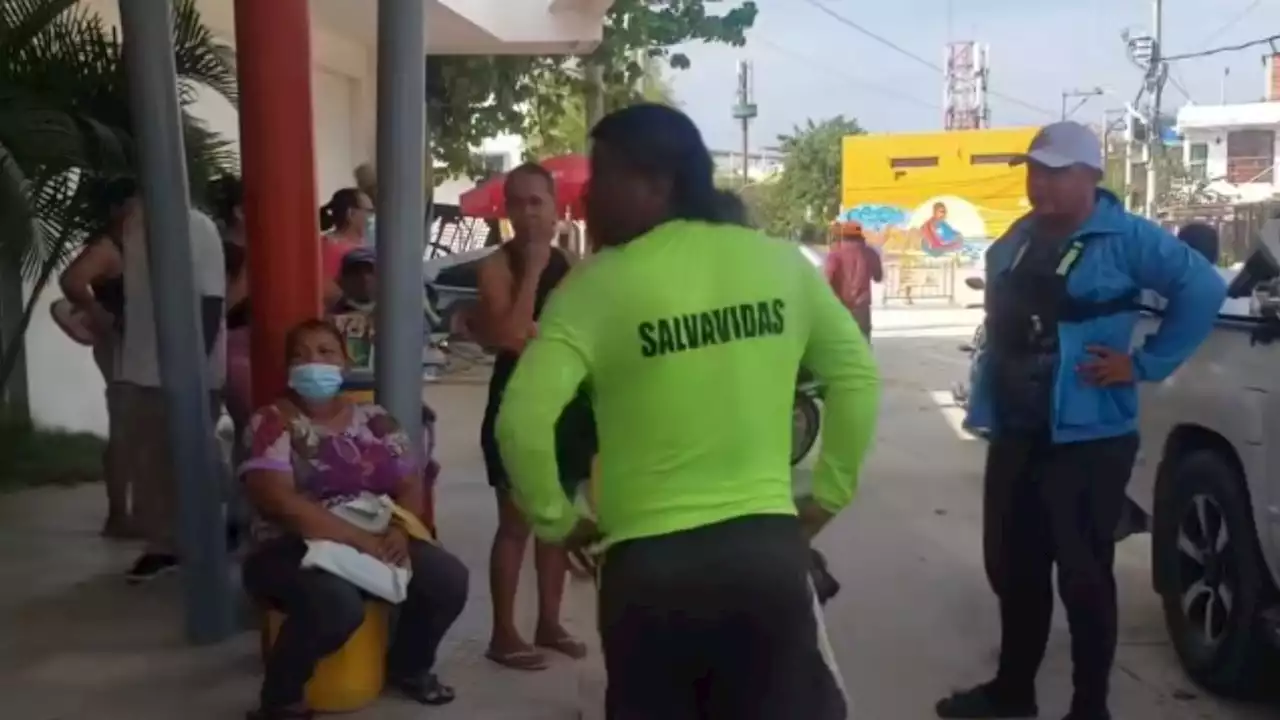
556, 123
541, 98
65, 119
807, 193
31, 456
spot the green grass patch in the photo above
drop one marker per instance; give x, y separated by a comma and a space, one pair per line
31, 456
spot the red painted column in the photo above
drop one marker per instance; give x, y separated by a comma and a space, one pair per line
277, 149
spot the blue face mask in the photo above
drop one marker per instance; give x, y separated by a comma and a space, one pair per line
316, 381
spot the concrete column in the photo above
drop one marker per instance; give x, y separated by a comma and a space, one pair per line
153, 96
402, 82
273, 51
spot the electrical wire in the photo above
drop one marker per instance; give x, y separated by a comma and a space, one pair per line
1270, 40
882, 89
920, 60
1178, 85
1232, 22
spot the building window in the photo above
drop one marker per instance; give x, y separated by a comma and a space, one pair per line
494, 163
1198, 161
1251, 156
994, 158
913, 162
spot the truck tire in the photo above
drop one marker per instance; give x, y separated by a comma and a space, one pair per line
1218, 583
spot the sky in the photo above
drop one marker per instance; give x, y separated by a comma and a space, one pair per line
808, 65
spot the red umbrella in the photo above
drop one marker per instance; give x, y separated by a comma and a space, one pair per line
569, 171
483, 200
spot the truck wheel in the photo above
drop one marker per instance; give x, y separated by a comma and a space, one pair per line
806, 420
1218, 584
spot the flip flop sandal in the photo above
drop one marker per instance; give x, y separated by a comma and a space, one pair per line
426, 691
527, 660
565, 645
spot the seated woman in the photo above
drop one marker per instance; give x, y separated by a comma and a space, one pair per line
308, 452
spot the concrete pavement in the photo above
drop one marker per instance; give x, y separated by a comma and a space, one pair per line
76, 643
915, 619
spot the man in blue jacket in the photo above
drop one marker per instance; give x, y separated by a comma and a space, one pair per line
1057, 390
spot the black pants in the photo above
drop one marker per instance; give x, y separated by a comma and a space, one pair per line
1047, 504
715, 623
322, 611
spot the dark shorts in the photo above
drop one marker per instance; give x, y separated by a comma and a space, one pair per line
715, 622
575, 446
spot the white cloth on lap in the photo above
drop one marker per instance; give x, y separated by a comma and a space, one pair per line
389, 582
371, 513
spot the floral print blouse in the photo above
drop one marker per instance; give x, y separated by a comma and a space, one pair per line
371, 454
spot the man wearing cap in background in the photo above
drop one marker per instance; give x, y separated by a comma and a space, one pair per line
850, 267
353, 313
1057, 388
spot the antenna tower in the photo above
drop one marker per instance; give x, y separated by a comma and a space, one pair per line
964, 97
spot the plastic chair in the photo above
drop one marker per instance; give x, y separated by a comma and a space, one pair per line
352, 677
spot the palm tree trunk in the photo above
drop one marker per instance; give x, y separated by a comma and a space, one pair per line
13, 382
12, 364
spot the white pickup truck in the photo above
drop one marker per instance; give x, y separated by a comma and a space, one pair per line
1207, 485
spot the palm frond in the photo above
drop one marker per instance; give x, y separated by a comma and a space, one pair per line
22, 20
65, 117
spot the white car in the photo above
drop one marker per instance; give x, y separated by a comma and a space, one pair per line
1207, 483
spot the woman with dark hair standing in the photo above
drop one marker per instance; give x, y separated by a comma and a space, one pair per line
345, 221
706, 610
515, 283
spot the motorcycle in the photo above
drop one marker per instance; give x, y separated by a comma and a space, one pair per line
961, 390
806, 417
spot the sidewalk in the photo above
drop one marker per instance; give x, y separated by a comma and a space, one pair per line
76, 643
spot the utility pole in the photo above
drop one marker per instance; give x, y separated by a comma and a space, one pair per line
1084, 95
745, 110
1157, 71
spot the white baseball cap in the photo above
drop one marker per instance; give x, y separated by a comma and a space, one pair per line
1063, 144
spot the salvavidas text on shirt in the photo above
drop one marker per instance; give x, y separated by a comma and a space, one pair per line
705, 328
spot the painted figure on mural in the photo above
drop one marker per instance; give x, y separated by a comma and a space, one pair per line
937, 236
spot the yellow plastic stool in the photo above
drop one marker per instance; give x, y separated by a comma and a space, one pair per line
352, 677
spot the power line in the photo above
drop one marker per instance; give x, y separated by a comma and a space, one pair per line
1270, 40
882, 89
913, 56
1176, 81
1232, 22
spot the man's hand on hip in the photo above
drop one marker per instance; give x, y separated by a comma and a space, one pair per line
1107, 367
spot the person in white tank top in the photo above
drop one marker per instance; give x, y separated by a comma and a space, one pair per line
146, 447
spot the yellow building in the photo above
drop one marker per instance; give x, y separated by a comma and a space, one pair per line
944, 194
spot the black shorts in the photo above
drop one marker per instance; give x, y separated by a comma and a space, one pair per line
575, 445
715, 623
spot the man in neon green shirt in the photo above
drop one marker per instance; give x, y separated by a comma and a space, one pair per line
689, 333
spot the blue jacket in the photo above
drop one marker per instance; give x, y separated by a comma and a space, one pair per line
1122, 252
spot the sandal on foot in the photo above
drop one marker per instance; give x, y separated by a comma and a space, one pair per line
566, 645
280, 714
528, 659
425, 691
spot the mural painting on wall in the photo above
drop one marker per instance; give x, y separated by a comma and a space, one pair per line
946, 227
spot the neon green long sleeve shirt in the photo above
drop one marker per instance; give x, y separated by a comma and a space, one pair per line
689, 340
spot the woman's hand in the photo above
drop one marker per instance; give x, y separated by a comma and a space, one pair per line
393, 547
365, 542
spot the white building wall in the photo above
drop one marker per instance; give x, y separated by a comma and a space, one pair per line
1215, 142
508, 149
65, 386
